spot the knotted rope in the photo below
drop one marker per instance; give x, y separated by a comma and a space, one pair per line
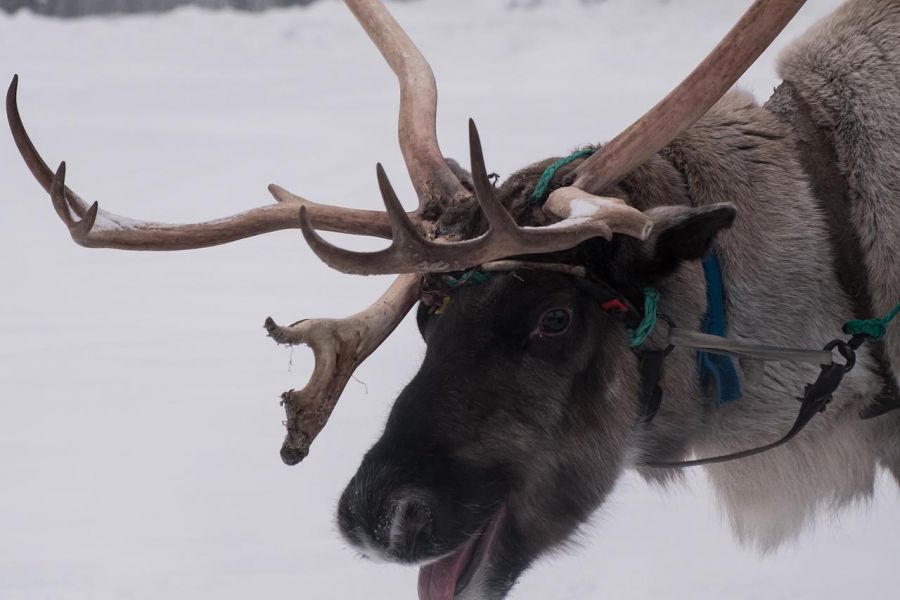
540, 193
873, 329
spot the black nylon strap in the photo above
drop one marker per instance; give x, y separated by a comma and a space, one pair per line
650, 364
816, 397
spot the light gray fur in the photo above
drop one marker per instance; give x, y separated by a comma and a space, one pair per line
780, 285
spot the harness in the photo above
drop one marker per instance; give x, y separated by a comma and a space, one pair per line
715, 352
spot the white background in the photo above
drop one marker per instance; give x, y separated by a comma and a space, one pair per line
139, 417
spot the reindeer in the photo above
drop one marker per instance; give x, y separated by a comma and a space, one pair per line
530, 402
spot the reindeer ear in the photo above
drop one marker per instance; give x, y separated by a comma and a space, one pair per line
682, 233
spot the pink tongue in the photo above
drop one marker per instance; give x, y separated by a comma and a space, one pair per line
437, 581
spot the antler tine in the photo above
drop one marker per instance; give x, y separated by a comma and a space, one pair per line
33, 160
59, 196
339, 346
403, 230
500, 221
100, 229
431, 177
693, 97
406, 243
410, 253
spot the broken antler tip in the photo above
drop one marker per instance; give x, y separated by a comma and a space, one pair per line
292, 456
276, 332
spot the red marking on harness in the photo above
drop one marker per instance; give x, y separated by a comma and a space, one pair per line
615, 305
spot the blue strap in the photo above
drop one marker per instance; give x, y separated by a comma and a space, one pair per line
717, 371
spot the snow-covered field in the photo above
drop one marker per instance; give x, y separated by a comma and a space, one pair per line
139, 417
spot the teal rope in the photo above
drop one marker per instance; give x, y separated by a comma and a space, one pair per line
874, 329
540, 193
639, 334
475, 275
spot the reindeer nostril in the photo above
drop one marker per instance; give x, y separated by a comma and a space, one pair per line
387, 521
410, 526
416, 515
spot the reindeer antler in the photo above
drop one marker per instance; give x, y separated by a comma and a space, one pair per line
339, 345
93, 227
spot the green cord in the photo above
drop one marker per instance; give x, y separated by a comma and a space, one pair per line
639, 334
539, 195
874, 329
475, 275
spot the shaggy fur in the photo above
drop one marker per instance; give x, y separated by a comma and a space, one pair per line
780, 282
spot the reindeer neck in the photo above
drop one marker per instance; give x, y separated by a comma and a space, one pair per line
779, 285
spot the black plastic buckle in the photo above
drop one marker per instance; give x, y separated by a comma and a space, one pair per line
821, 392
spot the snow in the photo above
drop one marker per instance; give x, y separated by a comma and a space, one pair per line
139, 416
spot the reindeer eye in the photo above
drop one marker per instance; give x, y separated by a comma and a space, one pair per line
555, 321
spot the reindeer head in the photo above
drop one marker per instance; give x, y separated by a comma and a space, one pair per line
525, 409
523, 413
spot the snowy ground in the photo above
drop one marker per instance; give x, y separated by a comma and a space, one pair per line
139, 422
